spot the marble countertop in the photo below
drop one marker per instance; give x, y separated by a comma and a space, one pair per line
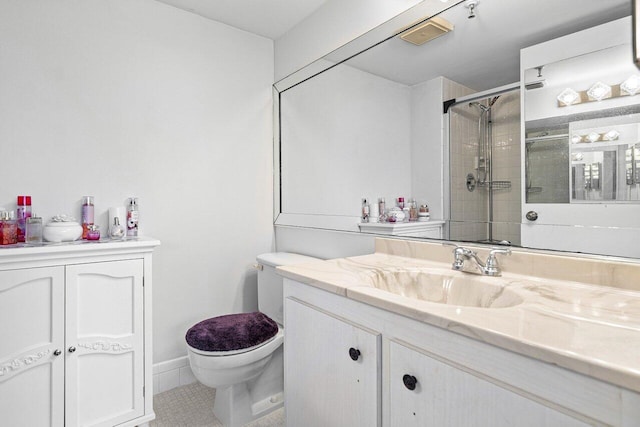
587, 328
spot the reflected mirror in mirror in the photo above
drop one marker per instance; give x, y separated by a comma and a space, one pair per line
581, 129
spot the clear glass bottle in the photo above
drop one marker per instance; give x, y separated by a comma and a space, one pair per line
382, 208
117, 231
132, 217
33, 234
413, 210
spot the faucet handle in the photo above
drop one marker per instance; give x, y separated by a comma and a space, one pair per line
492, 260
493, 252
491, 267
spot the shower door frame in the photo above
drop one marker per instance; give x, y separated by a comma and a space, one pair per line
447, 105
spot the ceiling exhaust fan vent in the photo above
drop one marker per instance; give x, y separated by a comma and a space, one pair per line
431, 29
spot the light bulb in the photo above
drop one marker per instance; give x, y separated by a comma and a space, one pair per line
612, 135
631, 86
599, 91
568, 97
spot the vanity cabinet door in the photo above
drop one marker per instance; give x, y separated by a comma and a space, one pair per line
31, 347
332, 375
443, 395
104, 343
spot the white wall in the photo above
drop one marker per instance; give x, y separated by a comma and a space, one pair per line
332, 25
115, 98
345, 136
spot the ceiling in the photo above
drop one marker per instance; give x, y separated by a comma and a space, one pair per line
484, 52
481, 53
268, 18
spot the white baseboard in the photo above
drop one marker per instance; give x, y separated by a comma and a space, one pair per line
171, 374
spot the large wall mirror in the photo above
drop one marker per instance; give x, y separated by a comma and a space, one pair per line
473, 124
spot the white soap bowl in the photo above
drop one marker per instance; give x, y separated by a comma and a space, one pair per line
66, 231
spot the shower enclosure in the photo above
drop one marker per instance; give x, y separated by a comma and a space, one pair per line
484, 169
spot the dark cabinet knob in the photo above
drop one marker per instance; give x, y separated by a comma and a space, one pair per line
72, 349
532, 215
354, 353
409, 381
57, 352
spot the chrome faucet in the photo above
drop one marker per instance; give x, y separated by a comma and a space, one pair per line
489, 268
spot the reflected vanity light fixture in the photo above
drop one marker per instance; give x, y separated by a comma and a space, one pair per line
599, 91
568, 97
611, 135
631, 86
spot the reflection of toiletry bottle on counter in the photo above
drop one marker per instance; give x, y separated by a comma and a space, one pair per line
374, 214
423, 213
364, 217
382, 208
413, 210
132, 217
87, 214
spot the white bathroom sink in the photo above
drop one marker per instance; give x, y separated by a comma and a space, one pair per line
450, 289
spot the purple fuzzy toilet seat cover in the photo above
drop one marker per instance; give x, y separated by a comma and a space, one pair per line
232, 332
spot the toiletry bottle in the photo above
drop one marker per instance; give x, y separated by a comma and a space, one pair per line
423, 213
33, 233
413, 210
87, 214
382, 208
132, 217
374, 214
93, 232
117, 231
8, 229
23, 211
400, 202
365, 211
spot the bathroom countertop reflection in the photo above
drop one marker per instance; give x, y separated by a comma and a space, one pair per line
585, 327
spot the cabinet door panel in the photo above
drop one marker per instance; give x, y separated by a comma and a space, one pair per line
105, 376
447, 396
32, 325
324, 386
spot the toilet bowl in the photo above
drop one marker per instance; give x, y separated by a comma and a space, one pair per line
248, 373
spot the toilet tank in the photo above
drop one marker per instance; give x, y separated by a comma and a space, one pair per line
270, 283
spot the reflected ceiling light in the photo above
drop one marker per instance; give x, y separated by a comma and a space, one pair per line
431, 29
631, 86
576, 139
612, 135
599, 91
568, 97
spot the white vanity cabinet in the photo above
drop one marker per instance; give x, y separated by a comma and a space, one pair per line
453, 380
76, 335
332, 370
424, 391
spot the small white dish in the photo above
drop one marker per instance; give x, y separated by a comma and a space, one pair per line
62, 231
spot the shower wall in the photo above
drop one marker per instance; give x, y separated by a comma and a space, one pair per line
470, 209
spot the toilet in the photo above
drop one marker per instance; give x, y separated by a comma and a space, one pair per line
241, 355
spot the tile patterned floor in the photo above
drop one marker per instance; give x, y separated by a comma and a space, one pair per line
192, 406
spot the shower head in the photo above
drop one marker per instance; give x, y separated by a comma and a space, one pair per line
483, 108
